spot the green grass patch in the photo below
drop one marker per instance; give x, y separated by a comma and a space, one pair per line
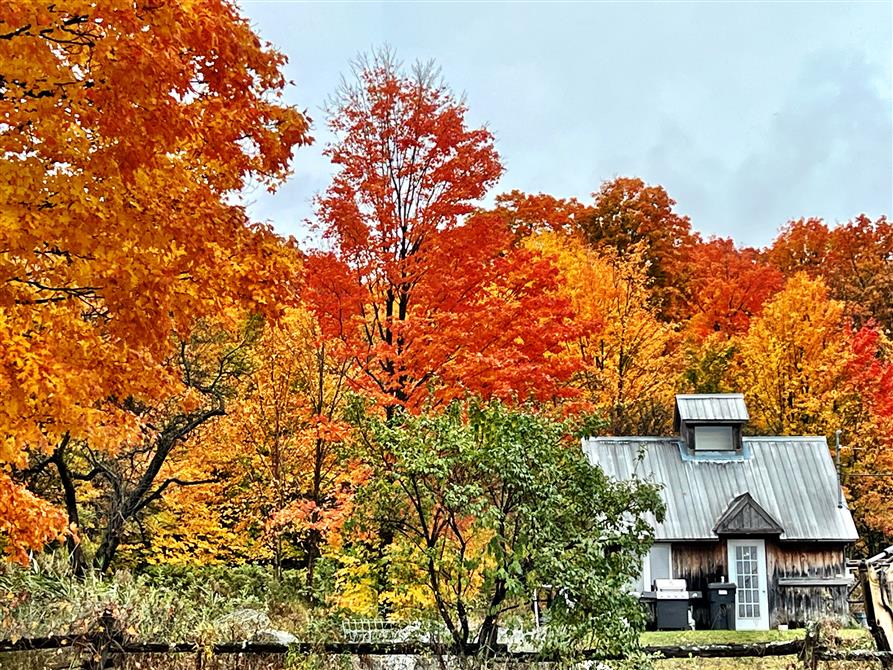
673, 638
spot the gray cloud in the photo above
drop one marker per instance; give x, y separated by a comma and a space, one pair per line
748, 113
828, 151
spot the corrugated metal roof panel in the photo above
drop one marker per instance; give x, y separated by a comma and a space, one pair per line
792, 478
712, 407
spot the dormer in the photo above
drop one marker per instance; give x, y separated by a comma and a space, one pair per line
710, 422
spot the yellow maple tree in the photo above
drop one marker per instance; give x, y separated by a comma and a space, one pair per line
283, 480
627, 359
792, 361
805, 371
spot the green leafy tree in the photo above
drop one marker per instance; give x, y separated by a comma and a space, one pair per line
488, 505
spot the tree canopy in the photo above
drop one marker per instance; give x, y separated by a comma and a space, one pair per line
126, 129
395, 409
432, 298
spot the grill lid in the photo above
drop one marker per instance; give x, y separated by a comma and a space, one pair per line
670, 585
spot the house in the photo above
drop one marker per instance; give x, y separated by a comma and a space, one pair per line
765, 513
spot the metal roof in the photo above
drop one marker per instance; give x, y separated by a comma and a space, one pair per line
712, 407
792, 478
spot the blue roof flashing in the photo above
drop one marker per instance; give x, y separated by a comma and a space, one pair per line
709, 456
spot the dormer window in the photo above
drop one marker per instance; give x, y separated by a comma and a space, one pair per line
714, 438
712, 422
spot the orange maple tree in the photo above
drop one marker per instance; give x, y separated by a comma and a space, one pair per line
630, 215
727, 287
434, 298
868, 434
126, 128
527, 214
854, 259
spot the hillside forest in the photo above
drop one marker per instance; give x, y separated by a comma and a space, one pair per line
395, 411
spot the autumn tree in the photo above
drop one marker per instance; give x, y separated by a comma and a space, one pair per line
433, 299
855, 259
802, 245
481, 533
866, 425
708, 364
126, 130
625, 359
108, 493
792, 360
527, 214
279, 453
629, 215
727, 287
805, 371
862, 270
274, 476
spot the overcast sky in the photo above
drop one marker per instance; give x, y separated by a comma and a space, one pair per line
748, 113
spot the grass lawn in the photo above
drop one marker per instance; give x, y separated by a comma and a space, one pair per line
670, 638
852, 637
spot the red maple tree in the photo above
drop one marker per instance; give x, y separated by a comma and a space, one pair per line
727, 287
433, 297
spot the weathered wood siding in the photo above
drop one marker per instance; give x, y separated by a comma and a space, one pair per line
796, 605
705, 562
699, 564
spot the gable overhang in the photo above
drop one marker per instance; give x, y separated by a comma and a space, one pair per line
745, 516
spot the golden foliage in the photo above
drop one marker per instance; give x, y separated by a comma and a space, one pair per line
792, 360
125, 128
282, 475
627, 359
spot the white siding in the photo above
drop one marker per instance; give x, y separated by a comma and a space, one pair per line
656, 564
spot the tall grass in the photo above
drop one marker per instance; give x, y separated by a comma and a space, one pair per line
179, 605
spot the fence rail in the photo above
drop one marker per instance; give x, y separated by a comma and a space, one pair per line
114, 645
104, 650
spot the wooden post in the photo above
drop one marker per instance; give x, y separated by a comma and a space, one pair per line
107, 643
809, 656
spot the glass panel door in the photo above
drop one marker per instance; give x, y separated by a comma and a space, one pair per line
747, 569
747, 577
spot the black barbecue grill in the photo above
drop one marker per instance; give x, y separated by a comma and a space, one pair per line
670, 601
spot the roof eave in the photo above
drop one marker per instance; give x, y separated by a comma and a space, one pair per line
783, 540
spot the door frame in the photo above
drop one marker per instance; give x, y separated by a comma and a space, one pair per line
761, 623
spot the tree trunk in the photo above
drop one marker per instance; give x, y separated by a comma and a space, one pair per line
489, 631
109, 546
136, 500
75, 552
